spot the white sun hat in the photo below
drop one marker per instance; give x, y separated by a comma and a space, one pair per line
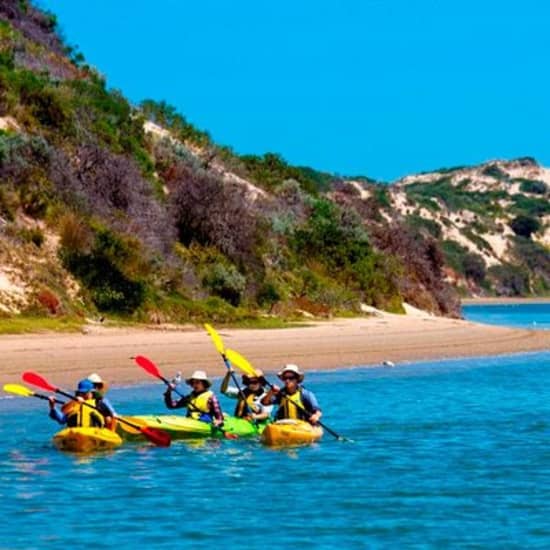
199, 375
291, 368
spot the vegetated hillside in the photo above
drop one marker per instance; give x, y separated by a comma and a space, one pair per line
108, 208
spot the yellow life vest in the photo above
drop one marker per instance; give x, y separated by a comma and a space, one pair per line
198, 405
245, 407
289, 409
81, 416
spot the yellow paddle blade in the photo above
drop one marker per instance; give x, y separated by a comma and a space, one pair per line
216, 338
18, 389
130, 429
240, 362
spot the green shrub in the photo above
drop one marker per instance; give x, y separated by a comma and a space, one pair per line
226, 282
509, 280
525, 226
536, 187
418, 222
534, 255
467, 263
456, 197
268, 294
103, 272
530, 206
480, 242
34, 235
494, 171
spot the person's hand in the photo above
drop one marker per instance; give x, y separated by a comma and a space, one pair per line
275, 389
80, 399
217, 422
314, 418
51, 399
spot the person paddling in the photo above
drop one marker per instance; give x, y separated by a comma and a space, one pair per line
75, 413
294, 401
249, 405
102, 403
202, 404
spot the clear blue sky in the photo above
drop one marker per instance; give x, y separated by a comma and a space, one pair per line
380, 88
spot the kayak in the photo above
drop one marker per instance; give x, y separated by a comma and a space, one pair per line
86, 440
183, 427
290, 432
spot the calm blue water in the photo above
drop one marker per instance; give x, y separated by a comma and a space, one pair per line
533, 316
451, 453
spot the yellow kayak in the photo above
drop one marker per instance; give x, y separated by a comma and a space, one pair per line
86, 440
290, 432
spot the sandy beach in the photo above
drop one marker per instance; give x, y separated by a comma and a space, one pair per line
65, 358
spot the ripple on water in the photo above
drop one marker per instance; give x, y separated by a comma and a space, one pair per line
450, 453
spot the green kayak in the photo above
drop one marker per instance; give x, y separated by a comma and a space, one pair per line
182, 427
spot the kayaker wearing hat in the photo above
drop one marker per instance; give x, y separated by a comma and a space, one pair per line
202, 404
249, 403
293, 394
102, 403
74, 413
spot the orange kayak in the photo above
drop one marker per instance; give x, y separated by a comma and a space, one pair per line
290, 432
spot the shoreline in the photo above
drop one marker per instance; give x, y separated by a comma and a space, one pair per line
322, 345
503, 301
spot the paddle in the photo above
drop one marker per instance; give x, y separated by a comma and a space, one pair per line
148, 366
218, 344
18, 389
238, 360
158, 437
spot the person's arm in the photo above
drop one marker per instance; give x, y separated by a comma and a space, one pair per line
225, 382
170, 403
108, 412
54, 414
272, 397
313, 407
215, 410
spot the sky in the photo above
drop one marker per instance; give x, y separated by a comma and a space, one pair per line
381, 88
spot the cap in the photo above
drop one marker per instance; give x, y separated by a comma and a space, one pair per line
85, 386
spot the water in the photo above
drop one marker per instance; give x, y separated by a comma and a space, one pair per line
532, 316
450, 453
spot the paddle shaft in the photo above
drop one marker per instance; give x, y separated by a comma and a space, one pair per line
241, 393
219, 345
40, 396
152, 369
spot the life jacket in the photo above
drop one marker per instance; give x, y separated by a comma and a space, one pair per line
81, 416
198, 408
247, 405
287, 408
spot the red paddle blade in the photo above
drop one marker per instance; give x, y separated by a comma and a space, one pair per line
37, 380
158, 437
148, 365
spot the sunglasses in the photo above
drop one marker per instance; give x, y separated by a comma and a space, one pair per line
285, 378
254, 381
